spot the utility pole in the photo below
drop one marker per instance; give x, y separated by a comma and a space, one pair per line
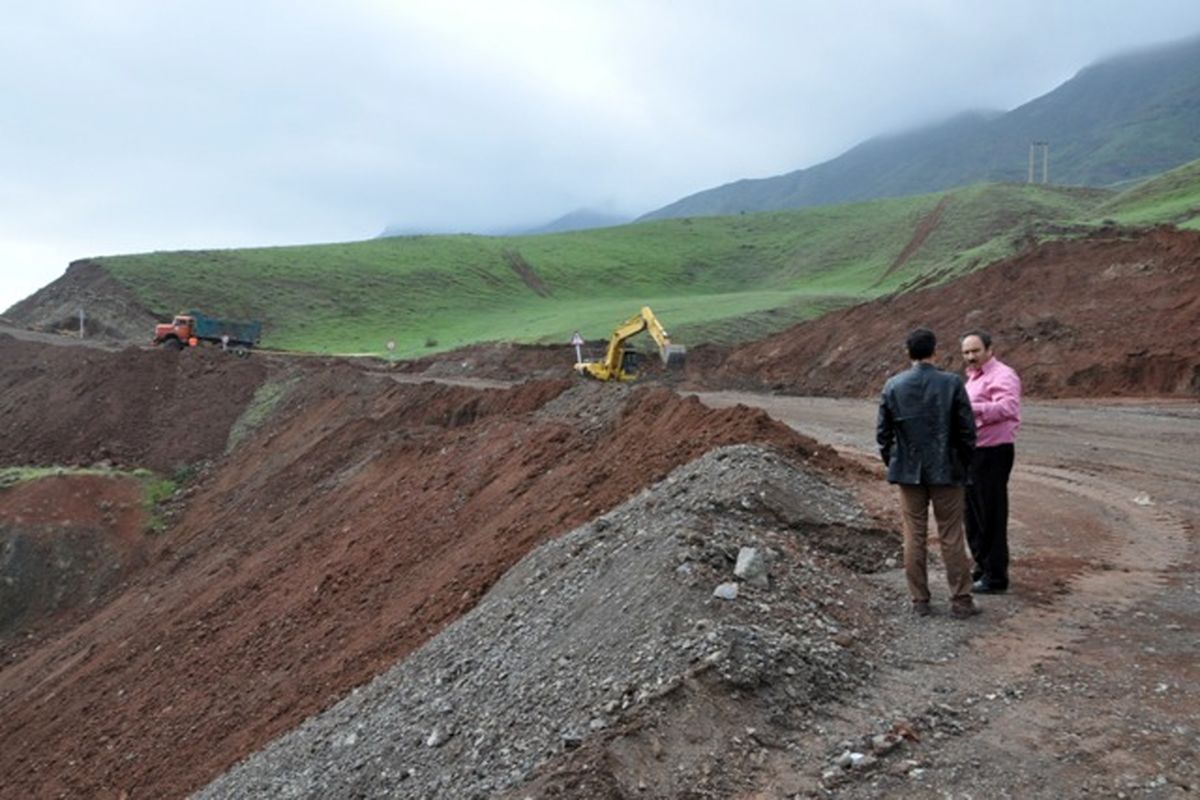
81, 322
1034, 147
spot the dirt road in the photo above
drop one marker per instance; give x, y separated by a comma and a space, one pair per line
1084, 679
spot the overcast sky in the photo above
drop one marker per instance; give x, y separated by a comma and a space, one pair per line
136, 125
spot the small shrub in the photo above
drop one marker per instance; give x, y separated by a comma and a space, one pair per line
156, 491
185, 474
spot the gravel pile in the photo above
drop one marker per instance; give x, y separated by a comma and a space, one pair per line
589, 406
592, 627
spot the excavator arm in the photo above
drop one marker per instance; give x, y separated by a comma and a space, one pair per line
614, 366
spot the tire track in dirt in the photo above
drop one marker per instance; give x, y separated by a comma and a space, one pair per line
1135, 548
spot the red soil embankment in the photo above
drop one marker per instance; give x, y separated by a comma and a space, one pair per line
66, 541
367, 517
146, 408
1107, 315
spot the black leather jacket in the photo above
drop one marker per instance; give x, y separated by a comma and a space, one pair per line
925, 429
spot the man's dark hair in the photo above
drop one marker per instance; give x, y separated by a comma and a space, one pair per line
920, 343
983, 335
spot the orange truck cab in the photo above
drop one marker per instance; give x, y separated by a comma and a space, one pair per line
191, 328
176, 334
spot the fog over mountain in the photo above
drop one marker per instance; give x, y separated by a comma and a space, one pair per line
1125, 118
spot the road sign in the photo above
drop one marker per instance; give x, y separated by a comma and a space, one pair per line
577, 342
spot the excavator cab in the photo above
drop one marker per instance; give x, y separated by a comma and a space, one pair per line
631, 362
621, 363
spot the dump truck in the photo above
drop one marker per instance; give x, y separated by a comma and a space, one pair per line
620, 362
192, 328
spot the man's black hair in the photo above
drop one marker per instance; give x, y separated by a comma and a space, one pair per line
920, 343
983, 335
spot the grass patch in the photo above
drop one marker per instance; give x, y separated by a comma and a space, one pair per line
156, 489
11, 476
264, 401
155, 492
1173, 197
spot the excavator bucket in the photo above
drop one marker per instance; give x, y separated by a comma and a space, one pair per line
674, 356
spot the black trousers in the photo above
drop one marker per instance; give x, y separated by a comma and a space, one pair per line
987, 513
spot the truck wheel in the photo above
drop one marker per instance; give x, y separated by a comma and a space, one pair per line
241, 352
173, 344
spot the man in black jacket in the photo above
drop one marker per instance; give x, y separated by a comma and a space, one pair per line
926, 435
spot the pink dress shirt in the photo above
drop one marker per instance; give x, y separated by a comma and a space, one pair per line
995, 392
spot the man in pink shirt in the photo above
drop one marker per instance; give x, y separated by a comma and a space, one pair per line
995, 392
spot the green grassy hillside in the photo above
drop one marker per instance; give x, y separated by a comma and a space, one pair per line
709, 279
1173, 197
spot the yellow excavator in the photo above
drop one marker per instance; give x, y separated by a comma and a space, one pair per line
620, 363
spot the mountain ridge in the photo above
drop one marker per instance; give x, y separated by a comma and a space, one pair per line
1126, 117
581, 219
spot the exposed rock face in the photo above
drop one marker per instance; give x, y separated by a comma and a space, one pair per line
110, 309
65, 541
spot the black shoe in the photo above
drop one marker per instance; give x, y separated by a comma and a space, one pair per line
984, 586
920, 608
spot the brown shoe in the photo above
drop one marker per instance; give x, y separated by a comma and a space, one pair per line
964, 610
920, 608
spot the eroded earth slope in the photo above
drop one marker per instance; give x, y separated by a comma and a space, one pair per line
1102, 316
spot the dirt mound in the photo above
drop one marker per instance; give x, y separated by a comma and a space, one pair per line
334, 541
592, 633
133, 408
1101, 316
519, 362
497, 361
110, 309
65, 541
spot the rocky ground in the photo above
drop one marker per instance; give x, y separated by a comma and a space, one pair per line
1082, 681
583, 635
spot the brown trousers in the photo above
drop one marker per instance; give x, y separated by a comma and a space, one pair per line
948, 502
